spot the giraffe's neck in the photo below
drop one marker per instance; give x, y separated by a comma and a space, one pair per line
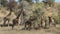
19, 14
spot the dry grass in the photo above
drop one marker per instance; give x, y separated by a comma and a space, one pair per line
8, 30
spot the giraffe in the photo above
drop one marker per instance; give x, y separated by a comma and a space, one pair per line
48, 18
30, 22
6, 18
11, 6
16, 20
52, 21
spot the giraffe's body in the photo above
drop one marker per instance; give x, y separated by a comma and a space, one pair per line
7, 18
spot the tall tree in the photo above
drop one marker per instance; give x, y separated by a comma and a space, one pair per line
37, 1
49, 2
30, 1
0, 2
12, 4
4, 3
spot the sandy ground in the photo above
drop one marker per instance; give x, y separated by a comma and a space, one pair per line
8, 30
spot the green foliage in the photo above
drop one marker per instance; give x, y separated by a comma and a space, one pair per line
39, 7
29, 0
38, 11
58, 17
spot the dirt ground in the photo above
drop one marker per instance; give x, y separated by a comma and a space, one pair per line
51, 30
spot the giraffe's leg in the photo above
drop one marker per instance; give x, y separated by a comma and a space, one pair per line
8, 23
29, 26
41, 23
34, 25
25, 26
4, 21
47, 23
18, 24
12, 26
14, 22
53, 22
